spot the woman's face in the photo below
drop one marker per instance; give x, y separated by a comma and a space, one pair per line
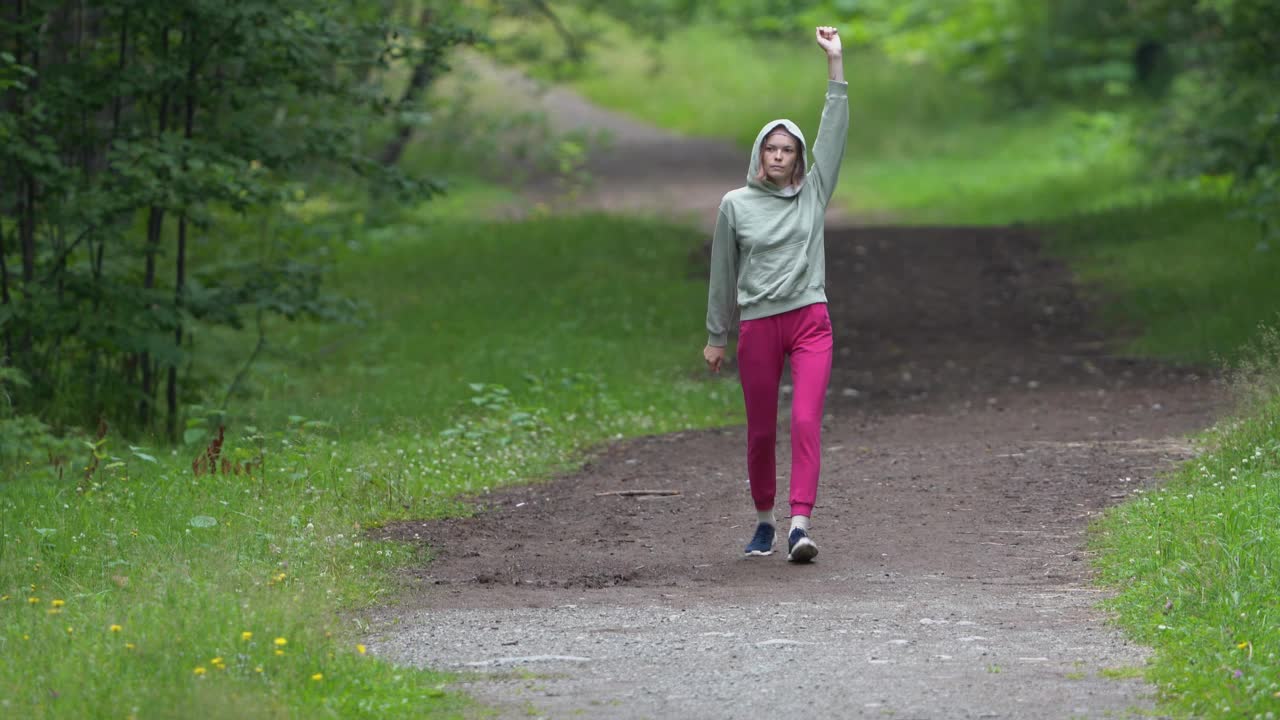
778, 158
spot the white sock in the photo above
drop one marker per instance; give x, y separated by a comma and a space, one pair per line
766, 516
800, 521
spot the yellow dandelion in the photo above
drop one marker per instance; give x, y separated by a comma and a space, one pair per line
33, 600
134, 533
280, 577
116, 628
246, 636
1243, 645
281, 642
58, 603
218, 662
318, 677
54, 611
70, 630
361, 649
258, 669
199, 670
33, 585
3, 598
26, 637
130, 646
279, 652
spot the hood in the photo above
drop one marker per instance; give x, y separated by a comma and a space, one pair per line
754, 166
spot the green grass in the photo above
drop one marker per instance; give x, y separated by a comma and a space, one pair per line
1197, 565
1129, 672
1184, 277
490, 353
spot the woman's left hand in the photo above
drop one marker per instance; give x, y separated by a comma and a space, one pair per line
829, 40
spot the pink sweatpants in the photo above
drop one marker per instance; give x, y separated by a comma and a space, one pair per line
763, 344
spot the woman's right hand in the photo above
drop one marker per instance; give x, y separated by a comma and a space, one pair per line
714, 357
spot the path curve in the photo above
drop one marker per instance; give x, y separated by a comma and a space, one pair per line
974, 426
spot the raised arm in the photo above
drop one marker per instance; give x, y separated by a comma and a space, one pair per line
833, 130
829, 41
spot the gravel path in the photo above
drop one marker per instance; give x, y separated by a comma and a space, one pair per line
975, 424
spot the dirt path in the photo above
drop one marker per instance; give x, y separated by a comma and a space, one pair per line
974, 426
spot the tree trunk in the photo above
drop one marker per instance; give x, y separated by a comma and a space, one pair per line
423, 75
155, 226
180, 279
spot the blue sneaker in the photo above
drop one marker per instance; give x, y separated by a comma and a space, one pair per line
800, 547
762, 543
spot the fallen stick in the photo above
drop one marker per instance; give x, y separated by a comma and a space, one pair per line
634, 493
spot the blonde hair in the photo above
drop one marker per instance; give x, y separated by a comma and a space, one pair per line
797, 173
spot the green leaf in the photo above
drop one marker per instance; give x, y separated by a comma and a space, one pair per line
194, 435
202, 521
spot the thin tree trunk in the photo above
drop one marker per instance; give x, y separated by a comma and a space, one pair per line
155, 226
179, 285
4, 275
27, 228
180, 280
573, 46
27, 188
419, 81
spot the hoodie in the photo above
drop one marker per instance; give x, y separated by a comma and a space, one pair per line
768, 254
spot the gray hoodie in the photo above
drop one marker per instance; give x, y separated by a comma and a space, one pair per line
768, 253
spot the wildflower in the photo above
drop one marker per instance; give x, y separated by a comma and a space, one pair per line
130, 646
54, 611
360, 649
1242, 645
246, 636
258, 669
218, 662
279, 653
3, 598
58, 603
199, 670
281, 642
26, 637
33, 600
116, 628
70, 630
318, 677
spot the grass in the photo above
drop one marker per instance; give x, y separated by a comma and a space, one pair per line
1183, 277
491, 353
1197, 562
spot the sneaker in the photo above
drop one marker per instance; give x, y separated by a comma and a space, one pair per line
762, 543
800, 547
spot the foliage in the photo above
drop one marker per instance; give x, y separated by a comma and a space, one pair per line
1223, 116
129, 130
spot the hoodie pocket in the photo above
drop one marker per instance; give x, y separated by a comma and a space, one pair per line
772, 271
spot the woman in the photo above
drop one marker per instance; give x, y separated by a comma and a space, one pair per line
768, 262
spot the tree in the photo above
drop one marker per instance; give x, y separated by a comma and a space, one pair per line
130, 126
